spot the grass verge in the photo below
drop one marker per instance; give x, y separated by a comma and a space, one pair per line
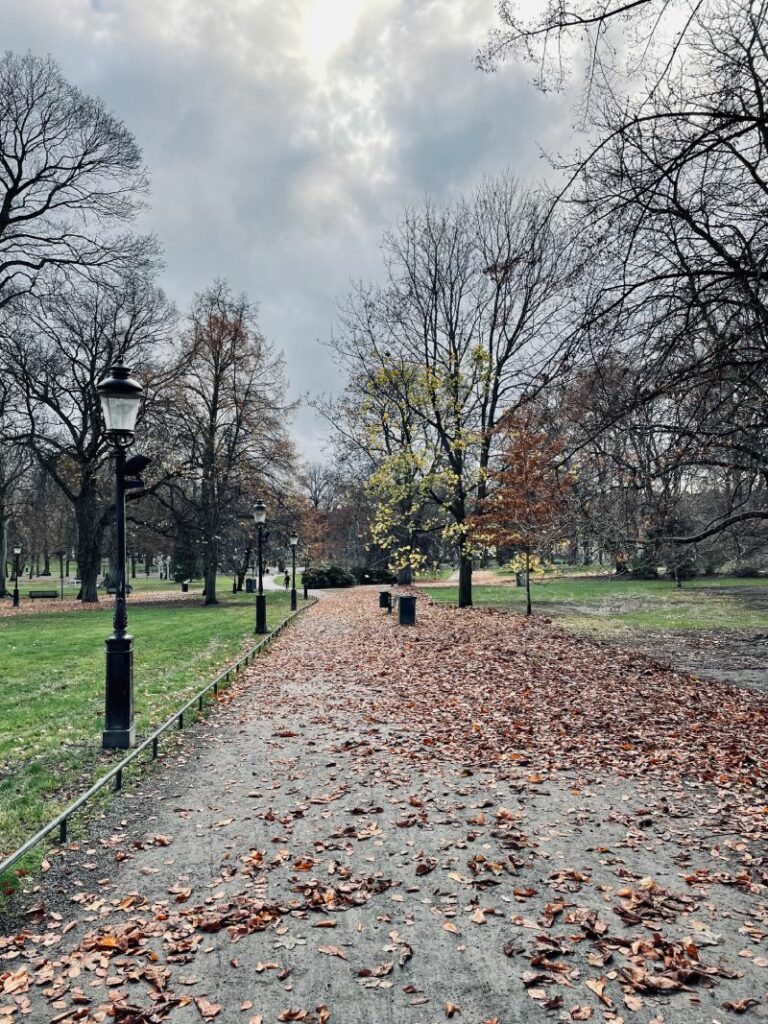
52, 692
613, 606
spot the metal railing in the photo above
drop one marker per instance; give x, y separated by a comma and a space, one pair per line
61, 820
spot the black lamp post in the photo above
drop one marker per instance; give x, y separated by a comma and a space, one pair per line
16, 553
294, 542
61, 572
120, 399
260, 517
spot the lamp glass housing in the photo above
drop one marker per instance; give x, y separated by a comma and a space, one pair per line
120, 398
294, 539
17, 549
259, 512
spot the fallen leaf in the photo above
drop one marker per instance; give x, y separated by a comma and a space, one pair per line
207, 1009
740, 1005
332, 951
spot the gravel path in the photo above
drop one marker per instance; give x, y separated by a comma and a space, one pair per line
323, 851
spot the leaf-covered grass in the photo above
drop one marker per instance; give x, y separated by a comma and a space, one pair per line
52, 691
613, 605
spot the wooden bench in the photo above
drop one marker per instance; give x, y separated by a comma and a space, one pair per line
34, 594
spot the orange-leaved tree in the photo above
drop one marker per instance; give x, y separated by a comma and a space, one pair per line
526, 504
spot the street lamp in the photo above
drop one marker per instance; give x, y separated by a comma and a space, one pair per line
120, 398
16, 553
294, 542
260, 517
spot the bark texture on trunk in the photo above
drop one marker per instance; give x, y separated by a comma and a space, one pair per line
210, 578
89, 538
527, 583
3, 553
465, 579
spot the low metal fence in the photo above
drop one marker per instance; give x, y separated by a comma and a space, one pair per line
115, 773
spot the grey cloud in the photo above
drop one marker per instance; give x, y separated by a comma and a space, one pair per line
273, 175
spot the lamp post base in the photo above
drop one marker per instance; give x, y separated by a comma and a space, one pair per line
261, 613
119, 728
119, 739
293, 600
15, 599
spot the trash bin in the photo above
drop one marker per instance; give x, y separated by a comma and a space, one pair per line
407, 610
250, 585
385, 600
185, 587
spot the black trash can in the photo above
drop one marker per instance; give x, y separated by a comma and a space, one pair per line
185, 587
250, 585
407, 610
385, 600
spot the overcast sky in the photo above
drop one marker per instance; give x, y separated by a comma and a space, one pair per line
284, 136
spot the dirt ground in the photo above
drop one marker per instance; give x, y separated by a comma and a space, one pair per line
739, 657
736, 656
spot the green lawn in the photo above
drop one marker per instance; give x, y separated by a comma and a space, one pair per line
139, 584
52, 691
614, 605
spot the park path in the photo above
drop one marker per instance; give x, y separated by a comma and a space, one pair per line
476, 819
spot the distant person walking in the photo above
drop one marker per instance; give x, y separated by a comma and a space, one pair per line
287, 579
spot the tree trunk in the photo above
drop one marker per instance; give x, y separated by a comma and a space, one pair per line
465, 579
3, 553
110, 577
46, 560
405, 576
527, 583
89, 537
209, 576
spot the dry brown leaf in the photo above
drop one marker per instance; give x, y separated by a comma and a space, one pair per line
740, 1005
332, 951
598, 987
207, 1009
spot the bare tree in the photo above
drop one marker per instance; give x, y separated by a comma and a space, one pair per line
230, 421
70, 175
55, 351
671, 193
15, 462
467, 325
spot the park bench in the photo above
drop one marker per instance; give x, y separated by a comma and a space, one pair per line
35, 594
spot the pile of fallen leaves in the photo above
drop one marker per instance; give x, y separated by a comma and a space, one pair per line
488, 687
